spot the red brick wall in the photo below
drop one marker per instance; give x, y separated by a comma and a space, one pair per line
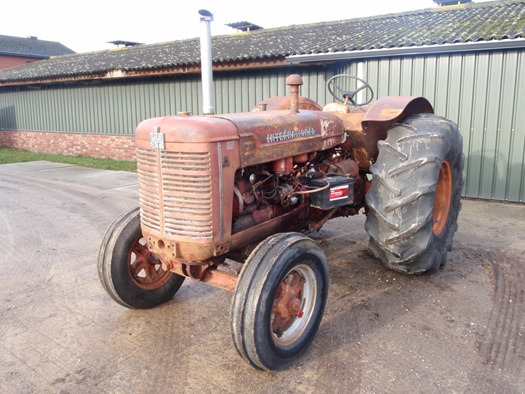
13, 61
116, 147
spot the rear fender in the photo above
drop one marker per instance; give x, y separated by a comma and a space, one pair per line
385, 112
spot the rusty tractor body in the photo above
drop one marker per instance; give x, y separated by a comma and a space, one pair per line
247, 187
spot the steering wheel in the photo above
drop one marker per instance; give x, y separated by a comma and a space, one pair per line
348, 95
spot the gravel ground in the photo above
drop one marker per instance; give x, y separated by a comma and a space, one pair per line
461, 330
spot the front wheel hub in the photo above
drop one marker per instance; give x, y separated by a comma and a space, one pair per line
287, 303
145, 268
293, 305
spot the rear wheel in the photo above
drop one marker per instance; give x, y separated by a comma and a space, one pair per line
279, 301
415, 195
128, 271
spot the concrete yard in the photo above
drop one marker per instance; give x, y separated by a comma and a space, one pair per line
461, 330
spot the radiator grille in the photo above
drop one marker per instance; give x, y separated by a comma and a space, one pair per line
177, 200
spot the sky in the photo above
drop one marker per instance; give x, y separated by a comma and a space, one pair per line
87, 26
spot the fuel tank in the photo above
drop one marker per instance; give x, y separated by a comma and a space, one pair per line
263, 136
273, 135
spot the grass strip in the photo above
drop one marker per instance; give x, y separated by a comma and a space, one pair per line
10, 155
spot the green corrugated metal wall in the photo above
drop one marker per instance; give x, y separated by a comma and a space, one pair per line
117, 107
481, 92
484, 93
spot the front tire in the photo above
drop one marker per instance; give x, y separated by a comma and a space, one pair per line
128, 271
279, 301
415, 196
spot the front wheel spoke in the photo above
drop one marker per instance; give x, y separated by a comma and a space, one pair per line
152, 273
140, 249
138, 265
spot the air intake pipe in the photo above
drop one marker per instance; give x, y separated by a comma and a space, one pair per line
206, 63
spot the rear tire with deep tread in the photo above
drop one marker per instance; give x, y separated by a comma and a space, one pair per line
415, 196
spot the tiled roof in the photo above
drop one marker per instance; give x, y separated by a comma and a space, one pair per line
31, 47
491, 21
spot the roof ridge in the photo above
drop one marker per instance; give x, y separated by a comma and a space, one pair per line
323, 23
377, 17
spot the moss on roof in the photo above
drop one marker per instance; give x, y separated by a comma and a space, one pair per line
471, 22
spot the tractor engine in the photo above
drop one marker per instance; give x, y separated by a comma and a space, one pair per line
210, 185
266, 191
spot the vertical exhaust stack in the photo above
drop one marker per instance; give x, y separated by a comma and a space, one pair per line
206, 63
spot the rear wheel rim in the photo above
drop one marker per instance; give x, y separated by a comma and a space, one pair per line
442, 199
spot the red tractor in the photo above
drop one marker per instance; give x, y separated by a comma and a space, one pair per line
247, 187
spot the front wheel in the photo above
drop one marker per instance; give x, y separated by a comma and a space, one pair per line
415, 196
128, 271
279, 301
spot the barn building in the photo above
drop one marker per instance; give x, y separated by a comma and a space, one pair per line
467, 59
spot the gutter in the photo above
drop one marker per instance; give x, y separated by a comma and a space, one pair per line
518, 43
247, 64
17, 54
